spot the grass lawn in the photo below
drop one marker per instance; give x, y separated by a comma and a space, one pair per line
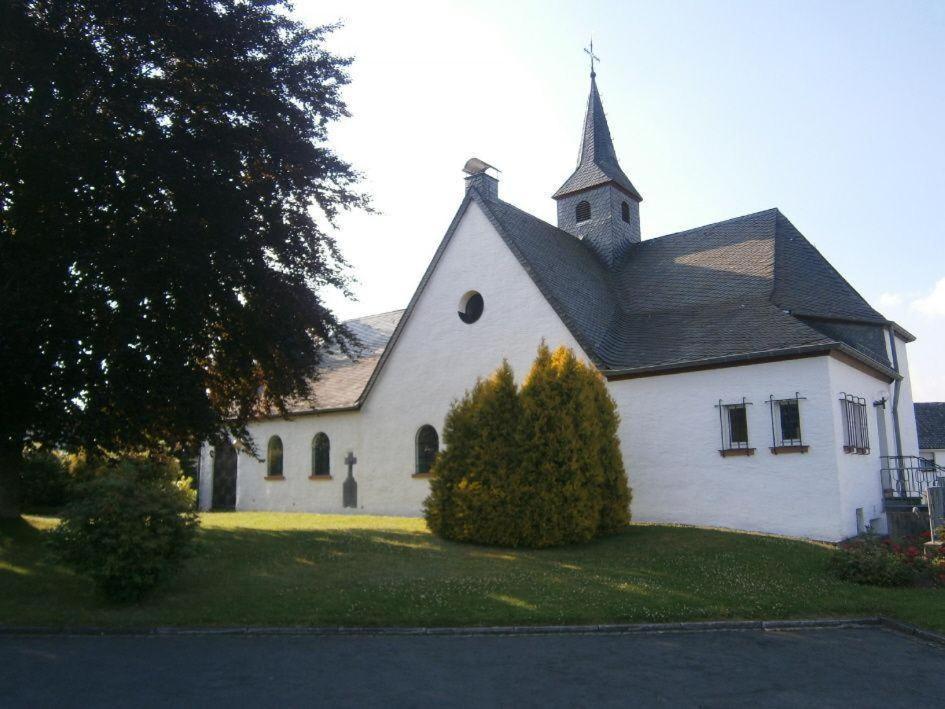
299, 569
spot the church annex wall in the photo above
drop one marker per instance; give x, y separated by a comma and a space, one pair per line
670, 436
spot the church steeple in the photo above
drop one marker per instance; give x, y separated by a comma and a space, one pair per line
598, 203
597, 163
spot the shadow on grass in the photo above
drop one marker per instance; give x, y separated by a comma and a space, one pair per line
251, 575
18, 531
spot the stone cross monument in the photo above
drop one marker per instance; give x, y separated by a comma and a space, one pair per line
349, 490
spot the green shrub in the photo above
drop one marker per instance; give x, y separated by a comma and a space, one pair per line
873, 562
43, 481
130, 525
534, 467
468, 501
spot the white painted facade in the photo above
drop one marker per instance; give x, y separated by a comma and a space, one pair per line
936, 455
436, 359
669, 431
670, 434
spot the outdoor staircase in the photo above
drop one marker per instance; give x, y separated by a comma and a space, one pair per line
907, 477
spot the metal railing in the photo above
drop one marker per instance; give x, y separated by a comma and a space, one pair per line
907, 477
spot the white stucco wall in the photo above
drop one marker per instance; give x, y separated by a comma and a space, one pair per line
670, 438
936, 455
859, 474
435, 360
438, 357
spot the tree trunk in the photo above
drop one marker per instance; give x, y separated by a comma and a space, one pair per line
11, 458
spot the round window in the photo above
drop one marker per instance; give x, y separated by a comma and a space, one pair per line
470, 307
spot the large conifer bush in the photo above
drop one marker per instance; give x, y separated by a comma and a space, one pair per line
532, 467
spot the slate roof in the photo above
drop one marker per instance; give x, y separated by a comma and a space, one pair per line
747, 287
343, 377
597, 163
930, 421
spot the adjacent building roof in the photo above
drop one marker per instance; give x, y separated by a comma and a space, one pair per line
342, 377
597, 163
930, 422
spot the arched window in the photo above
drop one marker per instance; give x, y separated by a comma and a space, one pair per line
274, 458
625, 212
428, 445
582, 212
320, 458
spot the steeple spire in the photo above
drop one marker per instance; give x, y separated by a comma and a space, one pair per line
597, 163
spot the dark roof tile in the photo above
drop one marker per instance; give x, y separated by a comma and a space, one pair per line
930, 421
342, 377
725, 289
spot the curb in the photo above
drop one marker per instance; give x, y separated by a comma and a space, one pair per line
912, 630
627, 629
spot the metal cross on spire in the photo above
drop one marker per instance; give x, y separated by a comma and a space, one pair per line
590, 51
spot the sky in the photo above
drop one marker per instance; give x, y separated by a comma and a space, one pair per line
832, 112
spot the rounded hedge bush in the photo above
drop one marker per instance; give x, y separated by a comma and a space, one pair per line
129, 525
532, 467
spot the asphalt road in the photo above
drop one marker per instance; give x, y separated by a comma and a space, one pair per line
861, 667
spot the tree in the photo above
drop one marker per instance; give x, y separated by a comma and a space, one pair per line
166, 191
534, 467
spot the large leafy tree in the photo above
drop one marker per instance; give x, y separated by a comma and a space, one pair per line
166, 191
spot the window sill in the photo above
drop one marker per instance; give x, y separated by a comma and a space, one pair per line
778, 450
732, 452
275, 477
421, 476
320, 477
856, 451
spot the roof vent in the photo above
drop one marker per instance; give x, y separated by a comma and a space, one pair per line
479, 178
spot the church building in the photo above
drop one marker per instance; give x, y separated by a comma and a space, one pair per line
757, 389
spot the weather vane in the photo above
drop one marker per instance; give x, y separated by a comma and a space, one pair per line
590, 51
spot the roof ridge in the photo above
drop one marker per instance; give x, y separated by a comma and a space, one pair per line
773, 210
532, 216
373, 315
781, 244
